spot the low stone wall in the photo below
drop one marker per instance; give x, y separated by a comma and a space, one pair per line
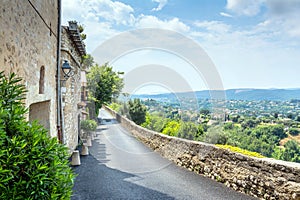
263, 178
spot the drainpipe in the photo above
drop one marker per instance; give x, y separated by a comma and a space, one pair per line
59, 99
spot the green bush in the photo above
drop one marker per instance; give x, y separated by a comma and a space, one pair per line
137, 111
115, 106
88, 125
32, 165
294, 131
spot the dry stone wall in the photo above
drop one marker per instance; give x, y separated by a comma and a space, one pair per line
262, 178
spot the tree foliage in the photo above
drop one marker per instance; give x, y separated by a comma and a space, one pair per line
137, 111
154, 122
104, 85
32, 165
290, 152
171, 128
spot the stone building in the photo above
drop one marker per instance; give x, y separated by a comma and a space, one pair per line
34, 46
28, 47
84, 95
72, 50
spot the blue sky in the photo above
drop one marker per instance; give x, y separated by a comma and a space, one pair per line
253, 44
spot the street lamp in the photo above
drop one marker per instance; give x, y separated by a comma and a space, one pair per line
67, 69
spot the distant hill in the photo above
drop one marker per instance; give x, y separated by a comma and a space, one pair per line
232, 94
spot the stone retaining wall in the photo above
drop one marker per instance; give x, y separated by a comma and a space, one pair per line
264, 178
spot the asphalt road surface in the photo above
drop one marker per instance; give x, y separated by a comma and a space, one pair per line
121, 167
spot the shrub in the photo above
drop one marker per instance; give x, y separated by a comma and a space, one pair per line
294, 131
88, 125
137, 111
32, 165
215, 135
115, 106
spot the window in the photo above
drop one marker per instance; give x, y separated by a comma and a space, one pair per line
42, 80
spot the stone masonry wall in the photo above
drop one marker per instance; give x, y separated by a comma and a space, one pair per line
72, 91
27, 44
263, 178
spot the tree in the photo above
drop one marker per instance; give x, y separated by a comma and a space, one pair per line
87, 61
104, 85
291, 151
215, 135
154, 122
204, 112
190, 130
171, 128
294, 131
137, 111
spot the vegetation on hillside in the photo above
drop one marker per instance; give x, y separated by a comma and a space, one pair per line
244, 133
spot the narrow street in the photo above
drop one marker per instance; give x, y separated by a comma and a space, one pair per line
121, 167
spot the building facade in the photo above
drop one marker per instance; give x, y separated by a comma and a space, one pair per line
28, 47
34, 46
72, 51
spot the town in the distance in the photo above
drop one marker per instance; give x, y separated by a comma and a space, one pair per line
259, 122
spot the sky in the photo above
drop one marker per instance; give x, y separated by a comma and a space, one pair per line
240, 43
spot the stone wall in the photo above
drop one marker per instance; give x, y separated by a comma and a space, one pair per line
71, 91
28, 43
263, 178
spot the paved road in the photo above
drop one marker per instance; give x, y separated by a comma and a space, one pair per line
121, 167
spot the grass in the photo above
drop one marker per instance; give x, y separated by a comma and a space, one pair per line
241, 151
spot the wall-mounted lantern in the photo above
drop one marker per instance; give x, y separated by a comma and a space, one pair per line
67, 70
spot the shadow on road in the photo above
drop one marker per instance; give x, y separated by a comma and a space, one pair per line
93, 175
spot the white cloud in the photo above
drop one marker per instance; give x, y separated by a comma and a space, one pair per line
244, 7
284, 15
112, 11
280, 17
161, 4
149, 21
213, 26
98, 18
225, 14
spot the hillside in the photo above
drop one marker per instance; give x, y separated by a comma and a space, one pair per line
232, 94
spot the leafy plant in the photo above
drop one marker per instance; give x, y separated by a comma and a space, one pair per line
137, 111
104, 85
32, 165
88, 125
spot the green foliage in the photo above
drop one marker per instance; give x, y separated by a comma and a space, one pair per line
294, 131
190, 130
88, 125
204, 111
249, 123
228, 126
137, 111
171, 128
32, 165
262, 139
239, 150
87, 61
115, 106
215, 135
290, 152
104, 85
154, 122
